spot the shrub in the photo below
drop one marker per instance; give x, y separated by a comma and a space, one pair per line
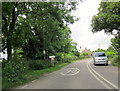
111, 54
13, 69
60, 56
68, 59
85, 54
115, 60
39, 64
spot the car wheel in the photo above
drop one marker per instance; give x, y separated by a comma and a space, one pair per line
107, 64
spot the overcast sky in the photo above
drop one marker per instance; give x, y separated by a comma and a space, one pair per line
81, 30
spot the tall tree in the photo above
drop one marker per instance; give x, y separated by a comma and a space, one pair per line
108, 18
37, 27
9, 16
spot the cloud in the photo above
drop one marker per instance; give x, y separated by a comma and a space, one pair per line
81, 32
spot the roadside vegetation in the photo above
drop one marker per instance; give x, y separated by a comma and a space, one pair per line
113, 56
31, 33
23, 71
108, 20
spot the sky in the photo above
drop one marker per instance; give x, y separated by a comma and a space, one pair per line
81, 30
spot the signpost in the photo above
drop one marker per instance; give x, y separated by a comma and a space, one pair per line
52, 59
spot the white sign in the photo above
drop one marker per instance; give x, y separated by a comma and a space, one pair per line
51, 56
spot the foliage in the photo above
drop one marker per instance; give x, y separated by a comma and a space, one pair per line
115, 60
108, 18
113, 56
35, 31
12, 70
10, 13
37, 27
116, 43
111, 52
69, 58
85, 54
100, 50
18, 53
60, 56
32, 72
39, 64
70, 54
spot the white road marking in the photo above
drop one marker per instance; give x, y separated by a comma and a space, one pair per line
100, 77
24, 86
33, 80
69, 70
27, 85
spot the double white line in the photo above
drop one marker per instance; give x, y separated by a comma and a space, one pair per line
101, 79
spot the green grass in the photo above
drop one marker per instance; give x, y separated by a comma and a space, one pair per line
32, 75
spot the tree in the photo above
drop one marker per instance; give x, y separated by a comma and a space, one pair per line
9, 17
108, 18
37, 27
100, 50
116, 43
50, 29
111, 51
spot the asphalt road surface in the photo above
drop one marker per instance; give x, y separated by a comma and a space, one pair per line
79, 75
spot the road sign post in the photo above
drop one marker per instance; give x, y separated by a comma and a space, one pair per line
52, 59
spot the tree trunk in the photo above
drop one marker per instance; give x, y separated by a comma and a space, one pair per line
11, 29
9, 49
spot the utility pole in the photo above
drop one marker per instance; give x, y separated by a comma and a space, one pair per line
43, 35
99, 46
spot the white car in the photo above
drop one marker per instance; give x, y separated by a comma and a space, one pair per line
100, 58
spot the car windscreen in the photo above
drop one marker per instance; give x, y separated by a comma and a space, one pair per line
100, 55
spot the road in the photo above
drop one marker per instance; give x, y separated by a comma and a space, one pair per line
79, 75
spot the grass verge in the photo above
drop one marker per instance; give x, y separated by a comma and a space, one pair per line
32, 75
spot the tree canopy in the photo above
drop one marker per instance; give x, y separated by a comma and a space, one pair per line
108, 18
38, 29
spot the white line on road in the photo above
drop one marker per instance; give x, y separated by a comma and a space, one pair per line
24, 86
100, 76
98, 79
33, 80
68, 70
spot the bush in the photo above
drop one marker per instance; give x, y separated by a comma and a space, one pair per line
85, 54
111, 54
39, 64
69, 59
13, 69
115, 60
60, 56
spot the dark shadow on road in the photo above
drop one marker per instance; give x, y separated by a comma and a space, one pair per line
102, 65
